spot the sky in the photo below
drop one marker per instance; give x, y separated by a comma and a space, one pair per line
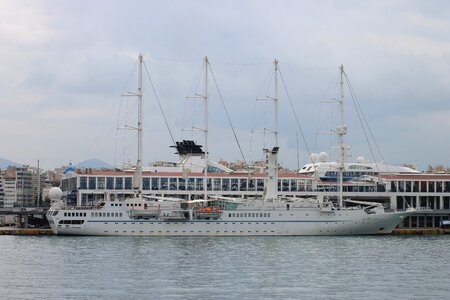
65, 64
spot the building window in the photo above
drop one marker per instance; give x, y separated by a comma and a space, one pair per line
146, 183
243, 185
447, 186
128, 183
83, 183
119, 183
110, 183
225, 184
173, 184
101, 183
260, 185
439, 187
216, 184
164, 184
423, 186
393, 186
92, 183
155, 184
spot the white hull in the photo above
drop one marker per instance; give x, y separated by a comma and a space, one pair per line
281, 223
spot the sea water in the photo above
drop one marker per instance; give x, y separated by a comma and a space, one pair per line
360, 267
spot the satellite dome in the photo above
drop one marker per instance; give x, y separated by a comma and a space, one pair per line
360, 160
314, 157
323, 157
55, 194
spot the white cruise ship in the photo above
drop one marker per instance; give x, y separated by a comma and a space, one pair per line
269, 215
217, 216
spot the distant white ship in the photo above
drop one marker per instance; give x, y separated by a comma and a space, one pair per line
328, 171
270, 215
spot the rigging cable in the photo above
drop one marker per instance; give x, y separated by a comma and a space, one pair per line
125, 107
267, 79
226, 112
159, 104
361, 113
296, 117
362, 118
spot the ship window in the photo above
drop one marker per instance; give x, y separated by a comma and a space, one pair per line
65, 214
229, 215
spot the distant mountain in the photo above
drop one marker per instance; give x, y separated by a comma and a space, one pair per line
4, 163
94, 164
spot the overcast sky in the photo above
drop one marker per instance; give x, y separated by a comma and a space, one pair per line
65, 64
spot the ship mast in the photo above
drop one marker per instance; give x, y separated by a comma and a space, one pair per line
341, 131
205, 130
275, 69
271, 190
137, 178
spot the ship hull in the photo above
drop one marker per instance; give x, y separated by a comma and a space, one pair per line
287, 223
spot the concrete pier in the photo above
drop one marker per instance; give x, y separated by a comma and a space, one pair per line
24, 231
418, 231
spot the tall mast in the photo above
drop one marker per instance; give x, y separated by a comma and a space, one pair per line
38, 184
271, 190
275, 66
137, 185
205, 97
341, 131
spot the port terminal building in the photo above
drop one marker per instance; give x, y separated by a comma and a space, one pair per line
428, 193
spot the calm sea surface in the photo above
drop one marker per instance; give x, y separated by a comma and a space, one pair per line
386, 267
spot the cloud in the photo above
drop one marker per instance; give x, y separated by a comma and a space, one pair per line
64, 65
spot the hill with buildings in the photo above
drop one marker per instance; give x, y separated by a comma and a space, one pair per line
5, 163
94, 164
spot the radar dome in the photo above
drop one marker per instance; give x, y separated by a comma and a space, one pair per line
55, 194
323, 157
314, 157
360, 160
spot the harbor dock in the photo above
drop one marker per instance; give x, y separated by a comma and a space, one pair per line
24, 231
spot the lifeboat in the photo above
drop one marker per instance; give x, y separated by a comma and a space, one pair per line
209, 212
